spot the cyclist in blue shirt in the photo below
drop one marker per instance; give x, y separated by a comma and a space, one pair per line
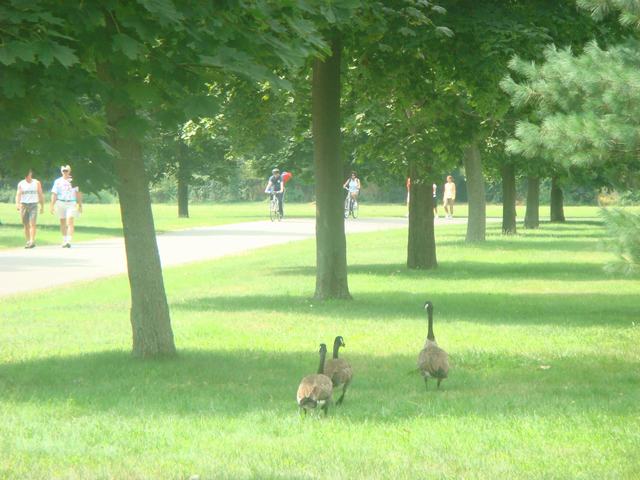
275, 186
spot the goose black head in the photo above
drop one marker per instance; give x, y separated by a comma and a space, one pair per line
323, 348
428, 306
339, 342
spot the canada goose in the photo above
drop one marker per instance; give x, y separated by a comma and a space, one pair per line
316, 390
433, 362
338, 369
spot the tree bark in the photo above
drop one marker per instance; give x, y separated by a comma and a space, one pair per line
557, 202
421, 247
150, 320
508, 199
183, 180
331, 245
477, 221
532, 215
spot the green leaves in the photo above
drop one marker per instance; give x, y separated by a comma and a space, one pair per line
41, 51
164, 10
131, 48
583, 110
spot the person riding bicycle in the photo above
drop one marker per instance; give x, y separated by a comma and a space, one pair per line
353, 186
275, 186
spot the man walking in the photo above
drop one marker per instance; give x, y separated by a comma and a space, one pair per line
66, 203
28, 196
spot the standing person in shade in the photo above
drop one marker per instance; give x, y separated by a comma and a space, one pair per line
28, 196
449, 196
435, 201
66, 203
408, 194
275, 186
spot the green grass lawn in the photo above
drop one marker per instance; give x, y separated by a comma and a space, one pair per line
100, 221
544, 380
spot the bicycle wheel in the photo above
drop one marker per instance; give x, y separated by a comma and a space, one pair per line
273, 208
354, 209
346, 207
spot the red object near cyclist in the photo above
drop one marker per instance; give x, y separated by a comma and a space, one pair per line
286, 176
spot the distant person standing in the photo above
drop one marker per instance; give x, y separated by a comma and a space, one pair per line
28, 196
408, 194
449, 196
66, 203
435, 201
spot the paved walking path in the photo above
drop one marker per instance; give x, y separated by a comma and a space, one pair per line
50, 266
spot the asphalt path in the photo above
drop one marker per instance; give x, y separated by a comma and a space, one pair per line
23, 270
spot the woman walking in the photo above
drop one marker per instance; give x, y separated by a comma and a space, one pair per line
28, 196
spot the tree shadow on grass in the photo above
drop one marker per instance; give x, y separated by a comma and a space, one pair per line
469, 270
561, 309
79, 228
234, 383
561, 243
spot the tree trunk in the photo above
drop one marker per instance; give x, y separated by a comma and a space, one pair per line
477, 220
183, 180
421, 247
150, 321
331, 245
508, 199
149, 315
557, 202
532, 215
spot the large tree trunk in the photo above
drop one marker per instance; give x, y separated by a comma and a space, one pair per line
149, 315
557, 202
150, 321
477, 219
183, 180
331, 245
508, 199
532, 215
421, 247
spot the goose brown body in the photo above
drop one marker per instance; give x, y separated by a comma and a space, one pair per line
315, 390
433, 361
338, 369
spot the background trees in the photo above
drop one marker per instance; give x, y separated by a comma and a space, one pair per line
128, 63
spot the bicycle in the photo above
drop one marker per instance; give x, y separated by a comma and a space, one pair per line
350, 206
274, 207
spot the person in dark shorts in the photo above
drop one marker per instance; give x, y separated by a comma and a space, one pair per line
28, 196
275, 186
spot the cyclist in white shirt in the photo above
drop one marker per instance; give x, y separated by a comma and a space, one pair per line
28, 196
66, 203
352, 184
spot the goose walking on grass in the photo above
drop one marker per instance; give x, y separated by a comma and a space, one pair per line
316, 390
433, 362
338, 369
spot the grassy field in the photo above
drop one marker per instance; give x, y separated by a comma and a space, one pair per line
104, 220
545, 378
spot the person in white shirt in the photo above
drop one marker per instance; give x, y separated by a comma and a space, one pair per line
66, 203
435, 200
28, 196
449, 197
